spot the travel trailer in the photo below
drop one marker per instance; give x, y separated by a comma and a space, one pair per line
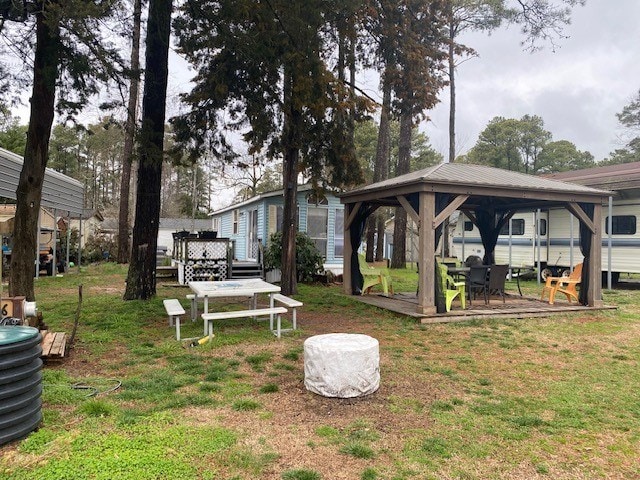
554, 249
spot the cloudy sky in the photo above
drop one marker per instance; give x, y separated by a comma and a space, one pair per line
577, 90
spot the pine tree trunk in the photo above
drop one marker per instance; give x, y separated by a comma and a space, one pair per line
381, 172
141, 281
129, 139
452, 94
290, 136
398, 259
380, 240
29, 191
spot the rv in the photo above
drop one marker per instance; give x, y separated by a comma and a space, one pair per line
554, 249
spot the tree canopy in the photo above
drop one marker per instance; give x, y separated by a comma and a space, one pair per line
263, 70
629, 118
525, 146
366, 133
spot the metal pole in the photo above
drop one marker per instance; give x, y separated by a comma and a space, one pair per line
80, 243
37, 266
571, 241
536, 217
609, 243
68, 241
462, 218
54, 260
510, 246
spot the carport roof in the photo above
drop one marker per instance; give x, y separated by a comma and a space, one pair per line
623, 178
58, 191
514, 188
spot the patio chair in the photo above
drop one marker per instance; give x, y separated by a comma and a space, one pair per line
451, 288
477, 280
496, 281
566, 285
374, 276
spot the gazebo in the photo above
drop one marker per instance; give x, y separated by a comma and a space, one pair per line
489, 197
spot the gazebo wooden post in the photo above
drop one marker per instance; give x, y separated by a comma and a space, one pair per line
594, 295
426, 253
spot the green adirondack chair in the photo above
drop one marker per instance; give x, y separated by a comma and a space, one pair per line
451, 289
374, 276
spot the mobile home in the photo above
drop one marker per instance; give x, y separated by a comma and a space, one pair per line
250, 223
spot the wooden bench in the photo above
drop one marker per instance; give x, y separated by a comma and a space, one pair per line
174, 310
292, 303
210, 317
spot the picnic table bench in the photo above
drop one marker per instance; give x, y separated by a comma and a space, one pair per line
291, 303
257, 312
175, 311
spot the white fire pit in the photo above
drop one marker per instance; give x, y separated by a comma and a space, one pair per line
343, 365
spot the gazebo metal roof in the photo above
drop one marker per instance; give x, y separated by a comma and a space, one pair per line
478, 180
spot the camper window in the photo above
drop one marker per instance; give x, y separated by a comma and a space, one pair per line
517, 227
621, 225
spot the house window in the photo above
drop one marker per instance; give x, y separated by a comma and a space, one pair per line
338, 242
517, 227
314, 199
468, 226
236, 221
276, 213
317, 221
621, 225
216, 225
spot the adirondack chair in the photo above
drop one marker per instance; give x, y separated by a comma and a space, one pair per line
451, 288
374, 276
566, 285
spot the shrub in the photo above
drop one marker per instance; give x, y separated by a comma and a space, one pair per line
99, 248
308, 258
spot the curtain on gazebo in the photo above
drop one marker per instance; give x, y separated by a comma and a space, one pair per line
585, 248
356, 229
489, 225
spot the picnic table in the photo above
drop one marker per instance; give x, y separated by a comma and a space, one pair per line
249, 287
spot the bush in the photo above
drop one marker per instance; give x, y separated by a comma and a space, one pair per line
308, 258
99, 248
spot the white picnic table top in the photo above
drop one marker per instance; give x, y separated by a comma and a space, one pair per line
232, 288
245, 287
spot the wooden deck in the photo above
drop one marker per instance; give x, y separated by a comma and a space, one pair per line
515, 306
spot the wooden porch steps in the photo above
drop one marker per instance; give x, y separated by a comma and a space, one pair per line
167, 272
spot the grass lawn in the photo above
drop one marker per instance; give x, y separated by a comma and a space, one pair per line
543, 398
